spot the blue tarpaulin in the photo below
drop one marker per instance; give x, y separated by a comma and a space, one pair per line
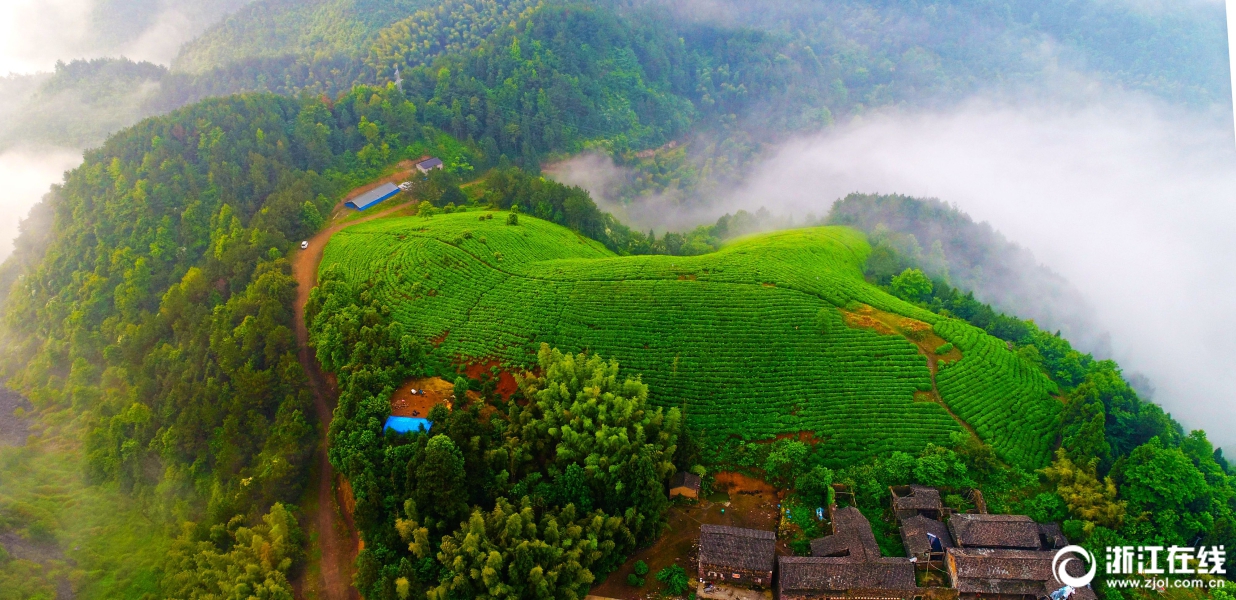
407, 424
374, 196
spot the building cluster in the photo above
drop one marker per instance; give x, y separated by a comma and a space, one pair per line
1007, 557
385, 191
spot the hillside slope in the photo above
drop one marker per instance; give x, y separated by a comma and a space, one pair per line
270, 28
753, 339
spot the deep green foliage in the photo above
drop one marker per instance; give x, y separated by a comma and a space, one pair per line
236, 561
160, 305
579, 413
911, 285
584, 456
1170, 499
453, 26
277, 28
815, 487
640, 568
514, 552
675, 579
539, 88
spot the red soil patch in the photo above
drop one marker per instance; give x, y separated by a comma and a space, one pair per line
917, 332
866, 321
433, 391
737, 483
506, 380
806, 437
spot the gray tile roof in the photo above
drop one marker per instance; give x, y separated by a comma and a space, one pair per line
685, 479
852, 537
994, 531
752, 549
822, 574
991, 571
914, 532
919, 498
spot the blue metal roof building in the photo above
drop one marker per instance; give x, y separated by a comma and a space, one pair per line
374, 196
407, 424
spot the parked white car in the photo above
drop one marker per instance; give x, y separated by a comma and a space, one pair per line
304, 245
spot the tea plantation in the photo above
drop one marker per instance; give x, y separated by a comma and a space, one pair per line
748, 339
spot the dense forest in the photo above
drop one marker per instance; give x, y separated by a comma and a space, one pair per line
159, 305
738, 76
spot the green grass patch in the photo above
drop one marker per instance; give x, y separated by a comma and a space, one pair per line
66, 532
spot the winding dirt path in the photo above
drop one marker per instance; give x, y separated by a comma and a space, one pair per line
337, 538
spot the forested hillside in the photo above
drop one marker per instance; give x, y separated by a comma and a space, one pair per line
277, 28
157, 312
740, 73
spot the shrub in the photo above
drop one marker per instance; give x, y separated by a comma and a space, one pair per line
634, 580
512, 219
912, 285
945, 348
675, 579
641, 568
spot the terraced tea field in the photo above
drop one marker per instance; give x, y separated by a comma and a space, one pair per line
748, 339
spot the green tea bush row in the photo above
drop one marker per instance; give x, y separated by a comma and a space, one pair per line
747, 340
1005, 399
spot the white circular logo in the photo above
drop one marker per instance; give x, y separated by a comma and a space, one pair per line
1058, 566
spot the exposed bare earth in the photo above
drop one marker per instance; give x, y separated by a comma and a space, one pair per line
430, 391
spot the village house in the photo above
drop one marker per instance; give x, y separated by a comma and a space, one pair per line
1008, 574
737, 556
1009, 532
916, 500
925, 539
685, 484
429, 164
851, 538
846, 564
813, 577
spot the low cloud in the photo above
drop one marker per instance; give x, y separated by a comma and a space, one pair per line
27, 174
1130, 201
34, 34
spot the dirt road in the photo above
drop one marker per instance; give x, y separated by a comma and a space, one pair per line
336, 534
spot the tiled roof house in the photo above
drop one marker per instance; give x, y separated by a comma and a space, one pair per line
734, 555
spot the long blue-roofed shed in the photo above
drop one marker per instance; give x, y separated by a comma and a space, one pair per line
374, 196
